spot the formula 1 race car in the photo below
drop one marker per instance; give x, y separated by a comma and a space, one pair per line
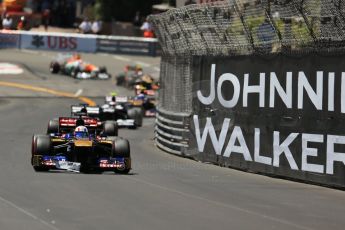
130, 75
81, 145
141, 103
146, 85
120, 111
74, 66
149, 104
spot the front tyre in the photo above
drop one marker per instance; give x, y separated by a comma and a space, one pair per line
41, 145
74, 72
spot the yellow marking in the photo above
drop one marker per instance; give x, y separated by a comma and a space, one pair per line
46, 90
106, 142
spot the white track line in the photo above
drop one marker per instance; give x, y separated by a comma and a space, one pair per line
78, 93
43, 54
30, 51
27, 213
121, 58
104, 54
8, 68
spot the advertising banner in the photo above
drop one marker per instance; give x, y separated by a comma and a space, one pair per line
58, 43
8, 40
280, 115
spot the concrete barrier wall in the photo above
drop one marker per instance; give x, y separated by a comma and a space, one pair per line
65, 42
8, 40
258, 85
277, 115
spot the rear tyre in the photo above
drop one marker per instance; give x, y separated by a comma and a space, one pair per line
110, 128
137, 115
125, 171
121, 148
54, 67
53, 126
103, 69
120, 80
140, 116
132, 115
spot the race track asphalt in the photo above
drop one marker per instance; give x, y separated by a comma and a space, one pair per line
162, 192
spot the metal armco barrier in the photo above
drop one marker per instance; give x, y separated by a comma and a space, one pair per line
172, 131
261, 84
72, 42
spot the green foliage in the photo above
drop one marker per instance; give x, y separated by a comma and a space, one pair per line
254, 22
104, 9
236, 28
299, 29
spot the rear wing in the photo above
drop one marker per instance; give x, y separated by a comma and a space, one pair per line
68, 124
122, 100
135, 102
85, 110
117, 99
150, 92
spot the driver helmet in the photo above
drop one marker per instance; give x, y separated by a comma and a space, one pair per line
81, 132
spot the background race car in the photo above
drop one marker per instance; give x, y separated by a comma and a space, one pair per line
96, 147
146, 85
72, 65
148, 104
130, 75
123, 112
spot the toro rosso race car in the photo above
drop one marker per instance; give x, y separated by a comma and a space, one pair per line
124, 114
81, 145
74, 66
